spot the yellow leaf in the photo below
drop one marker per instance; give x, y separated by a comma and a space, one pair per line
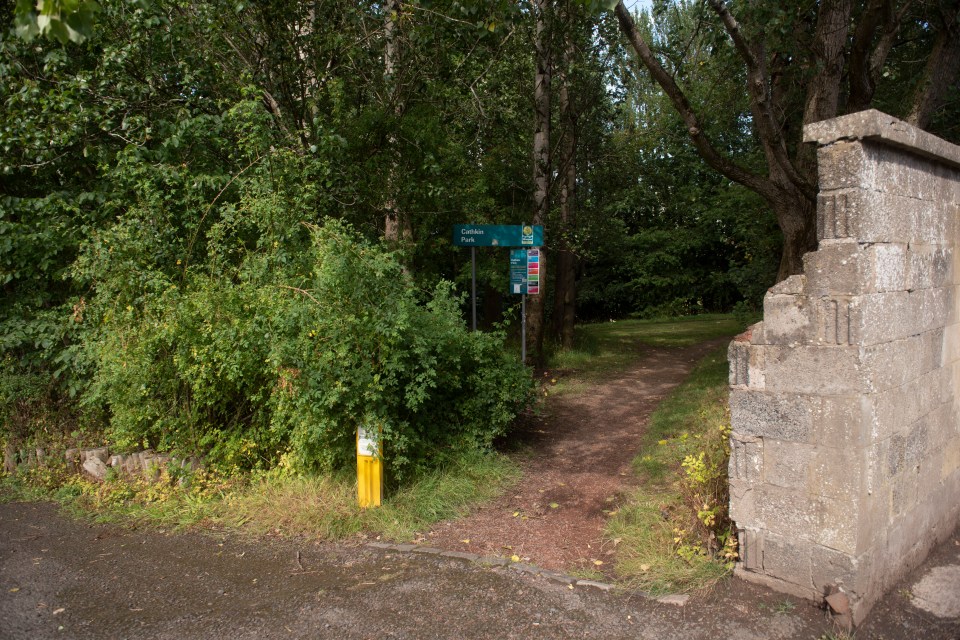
516, 514
554, 505
515, 558
644, 567
465, 541
598, 562
15, 589
569, 586
661, 442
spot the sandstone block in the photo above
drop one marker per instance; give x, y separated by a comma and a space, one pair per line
888, 365
780, 416
836, 268
842, 422
818, 370
95, 468
787, 558
788, 512
787, 464
830, 567
870, 216
839, 524
844, 165
895, 315
892, 411
746, 458
100, 453
738, 355
889, 268
751, 549
835, 473
930, 266
788, 319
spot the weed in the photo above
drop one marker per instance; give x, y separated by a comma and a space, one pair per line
781, 608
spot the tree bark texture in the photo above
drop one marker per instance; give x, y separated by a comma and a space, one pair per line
565, 291
541, 170
396, 227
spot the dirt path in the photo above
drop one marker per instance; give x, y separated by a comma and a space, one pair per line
577, 465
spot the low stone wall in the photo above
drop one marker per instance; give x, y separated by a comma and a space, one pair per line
845, 452
96, 463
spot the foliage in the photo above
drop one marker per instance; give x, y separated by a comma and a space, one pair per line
155, 176
253, 372
674, 533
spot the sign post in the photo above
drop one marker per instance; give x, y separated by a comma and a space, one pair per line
494, 235
524, 279
369, 469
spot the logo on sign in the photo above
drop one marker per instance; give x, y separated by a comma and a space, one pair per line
526, 235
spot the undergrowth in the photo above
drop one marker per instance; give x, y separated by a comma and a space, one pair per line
673, 534
322, 507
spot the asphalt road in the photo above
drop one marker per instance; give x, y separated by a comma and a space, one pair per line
62, 578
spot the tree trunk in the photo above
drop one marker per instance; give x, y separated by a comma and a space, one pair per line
396, 227
797, 217
565, 293
940, 73
541, 171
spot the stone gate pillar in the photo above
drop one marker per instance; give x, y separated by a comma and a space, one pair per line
845, 452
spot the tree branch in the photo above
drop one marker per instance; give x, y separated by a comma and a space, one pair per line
704, 147
768, 129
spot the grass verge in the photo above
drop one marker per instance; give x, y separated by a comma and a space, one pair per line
671, 535
317, 507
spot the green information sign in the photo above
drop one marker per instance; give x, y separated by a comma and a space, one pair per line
497, 235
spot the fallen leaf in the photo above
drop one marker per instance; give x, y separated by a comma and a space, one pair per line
516, 514
554, 505
514, 558
644, 567
598, 562
465, 541
569, 586
58, 611
15, 589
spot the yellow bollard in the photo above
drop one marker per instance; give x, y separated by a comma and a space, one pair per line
369, 470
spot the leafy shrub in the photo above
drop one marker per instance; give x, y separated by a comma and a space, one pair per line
278, 357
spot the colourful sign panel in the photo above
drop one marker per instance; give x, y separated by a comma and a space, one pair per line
533, 271
497, 235
525, 271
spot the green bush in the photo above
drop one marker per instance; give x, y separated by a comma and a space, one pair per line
278, 359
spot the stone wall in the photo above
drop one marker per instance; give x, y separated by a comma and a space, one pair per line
845, 452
